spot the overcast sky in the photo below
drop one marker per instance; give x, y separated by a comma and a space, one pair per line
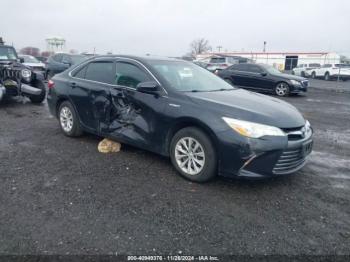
166, 27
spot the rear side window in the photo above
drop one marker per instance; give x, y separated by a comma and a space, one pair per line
254, 69
314, 65
242, 67
101, 71
327, 65
81, 72
129, 75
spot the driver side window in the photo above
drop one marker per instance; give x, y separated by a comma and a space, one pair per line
129, 75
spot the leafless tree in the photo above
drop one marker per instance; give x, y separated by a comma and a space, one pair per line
199, 46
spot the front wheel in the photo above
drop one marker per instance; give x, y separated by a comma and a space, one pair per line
69, 120
193, 155
313, 75
37, 99
282, 89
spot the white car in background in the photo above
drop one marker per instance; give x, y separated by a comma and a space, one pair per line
332, 71
305, 70
32, 62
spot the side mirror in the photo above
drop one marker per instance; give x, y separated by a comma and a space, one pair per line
148, 87
263, 74
21, 60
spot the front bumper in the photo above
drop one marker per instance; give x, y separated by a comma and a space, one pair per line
294, 89
262, 158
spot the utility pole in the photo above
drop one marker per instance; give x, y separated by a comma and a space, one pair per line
264, 50
219, 48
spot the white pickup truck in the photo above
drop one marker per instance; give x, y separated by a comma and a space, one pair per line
304, 70
332, 71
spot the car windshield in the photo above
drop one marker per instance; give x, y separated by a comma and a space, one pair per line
30, 59
7, 53
271, 69
76, 59
185, 77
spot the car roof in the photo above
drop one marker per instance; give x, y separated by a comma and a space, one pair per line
139, 58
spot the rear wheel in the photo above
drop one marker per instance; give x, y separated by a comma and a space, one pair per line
37, 99
282, 89
302, 73
193, 155
326, 76
69, 120
313, 75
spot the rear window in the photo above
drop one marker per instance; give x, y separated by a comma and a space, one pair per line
216, 60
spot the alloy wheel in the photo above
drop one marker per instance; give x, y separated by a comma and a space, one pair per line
66, 119
189, 155
282, 89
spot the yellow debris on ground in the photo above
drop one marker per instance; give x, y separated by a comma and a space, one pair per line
108, 146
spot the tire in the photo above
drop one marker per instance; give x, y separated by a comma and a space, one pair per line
40, 98
201, 164
313, 75
69, 121
229, 81
293, 73
282, 89
302, 74
326, 76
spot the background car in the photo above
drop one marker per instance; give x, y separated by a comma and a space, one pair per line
17, 79
178, 109
261, 77
219, 63
305, 70
59, 62
332, 71
42, 59
32, 62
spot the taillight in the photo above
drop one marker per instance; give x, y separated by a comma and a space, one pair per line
50, 84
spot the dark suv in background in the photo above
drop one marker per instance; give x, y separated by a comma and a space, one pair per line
57, 63
261, 77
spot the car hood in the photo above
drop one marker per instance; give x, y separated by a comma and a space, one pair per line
34, 64
250, 106
290, 77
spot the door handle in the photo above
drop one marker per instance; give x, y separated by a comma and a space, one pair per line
73, 84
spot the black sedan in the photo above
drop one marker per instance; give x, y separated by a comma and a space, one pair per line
264, 78
178, 109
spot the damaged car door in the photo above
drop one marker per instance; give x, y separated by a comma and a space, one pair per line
90, 89
135, 114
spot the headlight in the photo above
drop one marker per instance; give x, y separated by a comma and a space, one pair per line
253, 130
26, 73
308, 128
295, 82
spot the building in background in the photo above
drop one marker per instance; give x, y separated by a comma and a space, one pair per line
55, 44
282, 60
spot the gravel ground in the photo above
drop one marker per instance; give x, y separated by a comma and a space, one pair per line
59, 195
